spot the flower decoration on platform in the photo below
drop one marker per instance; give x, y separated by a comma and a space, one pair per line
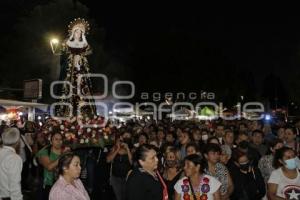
86, 133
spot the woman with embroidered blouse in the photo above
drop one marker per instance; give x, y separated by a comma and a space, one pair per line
196, 184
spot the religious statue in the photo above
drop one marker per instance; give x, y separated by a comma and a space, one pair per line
75, 69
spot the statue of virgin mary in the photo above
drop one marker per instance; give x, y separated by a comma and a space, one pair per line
74, 64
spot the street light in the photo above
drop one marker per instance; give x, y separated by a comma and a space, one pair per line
54, 43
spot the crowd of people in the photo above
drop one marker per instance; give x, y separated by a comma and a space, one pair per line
169, 160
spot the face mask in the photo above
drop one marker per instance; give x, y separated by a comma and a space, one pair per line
291, 164
204, 137
171, 163
220, 140
244, 166
297, 162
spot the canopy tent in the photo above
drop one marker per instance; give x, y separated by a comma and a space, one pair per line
11, 104
24, 106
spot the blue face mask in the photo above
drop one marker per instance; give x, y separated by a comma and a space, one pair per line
291, 164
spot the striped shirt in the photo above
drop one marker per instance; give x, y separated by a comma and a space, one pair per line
62, 190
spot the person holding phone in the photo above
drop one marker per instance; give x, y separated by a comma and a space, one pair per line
120, 158
247, 179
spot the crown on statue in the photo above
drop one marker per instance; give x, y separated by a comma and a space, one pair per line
79, 23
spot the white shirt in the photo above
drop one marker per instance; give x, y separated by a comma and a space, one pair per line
182, 187
22, 149
287, 188
10, 173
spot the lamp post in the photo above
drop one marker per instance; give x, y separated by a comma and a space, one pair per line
54, 43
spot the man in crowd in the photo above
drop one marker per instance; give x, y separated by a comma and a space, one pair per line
10, 165
257, 142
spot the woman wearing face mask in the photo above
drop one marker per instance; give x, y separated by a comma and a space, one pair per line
265, 164
284, 182
204, 135
172, 170
247, 180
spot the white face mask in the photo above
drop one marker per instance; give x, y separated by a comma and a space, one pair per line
204, 137
291, 164
220, 139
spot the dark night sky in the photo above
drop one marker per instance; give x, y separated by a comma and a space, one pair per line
186, 51
207, 51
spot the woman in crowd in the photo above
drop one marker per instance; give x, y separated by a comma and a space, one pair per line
144, 182
226, 153
68, 185
184, 138
48, 158
280, 133
192, 148
265, 164
247, 179
218, 170
284, 182
229, 138
143, 139
197, 137
196, 184
205, 135
172, 170
170, 137
121, 160
290, 137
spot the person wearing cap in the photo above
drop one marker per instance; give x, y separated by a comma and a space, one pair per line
10, 165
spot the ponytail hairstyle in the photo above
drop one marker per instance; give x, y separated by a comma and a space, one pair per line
140, 153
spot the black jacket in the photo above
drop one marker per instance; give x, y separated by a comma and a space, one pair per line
251, 184
142, 186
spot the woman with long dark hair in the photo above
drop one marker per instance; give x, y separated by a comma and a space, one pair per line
247, 179
48, 157
265, 164
284, 182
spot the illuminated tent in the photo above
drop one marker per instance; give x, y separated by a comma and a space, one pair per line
206, 111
